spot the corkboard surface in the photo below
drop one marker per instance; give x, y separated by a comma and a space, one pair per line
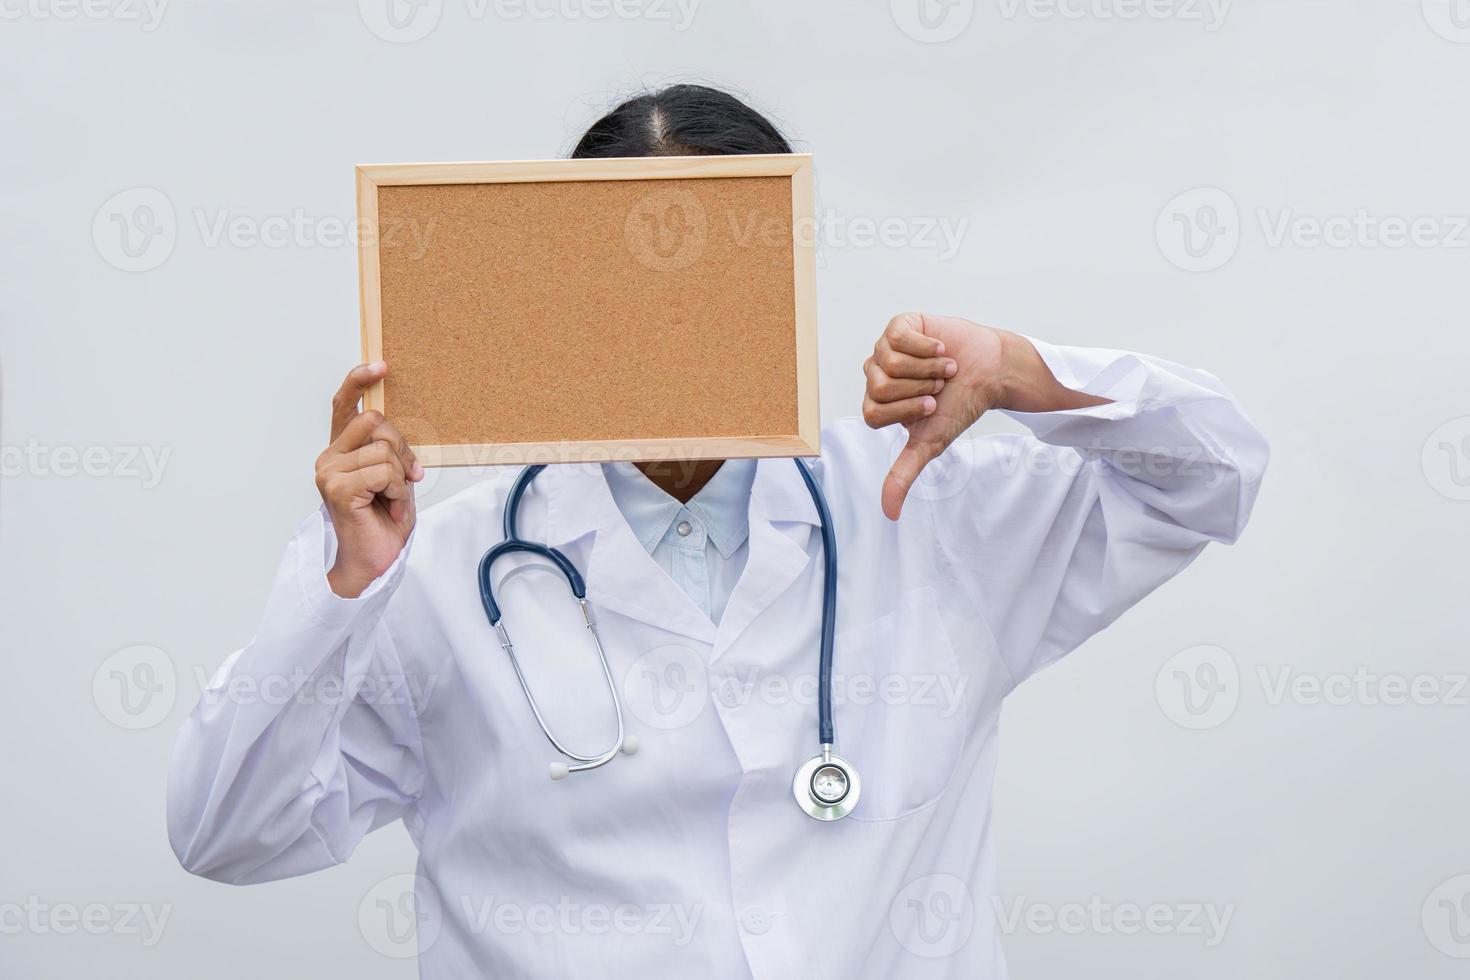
588, 310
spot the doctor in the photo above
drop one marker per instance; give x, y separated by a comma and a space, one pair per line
382, 692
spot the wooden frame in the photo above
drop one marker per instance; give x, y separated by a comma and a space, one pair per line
806, 442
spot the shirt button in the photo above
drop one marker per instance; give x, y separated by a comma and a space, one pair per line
756, 920
684, 527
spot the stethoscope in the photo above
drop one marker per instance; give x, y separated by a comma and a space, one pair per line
826, 786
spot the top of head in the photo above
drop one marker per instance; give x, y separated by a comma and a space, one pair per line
681, 120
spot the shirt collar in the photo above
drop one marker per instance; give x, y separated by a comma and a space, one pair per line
722, 505
578, 501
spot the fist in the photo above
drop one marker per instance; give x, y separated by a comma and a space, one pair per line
935, 376
365, 477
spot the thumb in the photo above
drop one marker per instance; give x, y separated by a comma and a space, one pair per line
906, 468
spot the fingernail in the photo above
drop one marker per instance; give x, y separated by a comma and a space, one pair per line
378, 367
418, 471
929, 404
939, 349
950, 367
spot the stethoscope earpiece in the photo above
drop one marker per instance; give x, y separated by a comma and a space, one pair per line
560, 770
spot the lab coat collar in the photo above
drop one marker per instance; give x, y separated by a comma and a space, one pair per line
779, 494
578, 501
622, 575
782, 520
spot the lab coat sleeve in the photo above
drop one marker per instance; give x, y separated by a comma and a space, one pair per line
306, 739
1055, 536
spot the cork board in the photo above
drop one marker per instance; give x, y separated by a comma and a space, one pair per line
588, 310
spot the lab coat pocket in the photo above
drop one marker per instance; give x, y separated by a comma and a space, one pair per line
900, 711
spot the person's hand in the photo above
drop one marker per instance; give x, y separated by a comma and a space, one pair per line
365, 478
936, 375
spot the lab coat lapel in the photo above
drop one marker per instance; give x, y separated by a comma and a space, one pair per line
782, 521
620, 575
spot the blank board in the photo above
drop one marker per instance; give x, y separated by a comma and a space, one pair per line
586, 310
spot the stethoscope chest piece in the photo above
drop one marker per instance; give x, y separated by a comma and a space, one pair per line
827, 787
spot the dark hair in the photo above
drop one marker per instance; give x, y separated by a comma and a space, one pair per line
681, 120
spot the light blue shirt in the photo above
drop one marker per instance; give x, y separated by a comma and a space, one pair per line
703, 544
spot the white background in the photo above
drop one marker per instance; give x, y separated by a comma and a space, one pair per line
1058, 138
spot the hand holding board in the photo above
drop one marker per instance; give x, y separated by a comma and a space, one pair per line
588, 310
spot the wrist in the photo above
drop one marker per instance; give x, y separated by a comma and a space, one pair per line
347, 582
1027, 384
1011, 381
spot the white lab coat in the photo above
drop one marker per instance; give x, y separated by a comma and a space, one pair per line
691, 857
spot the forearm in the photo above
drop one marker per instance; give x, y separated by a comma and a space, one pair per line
266, 744
1118, 491
1169, 436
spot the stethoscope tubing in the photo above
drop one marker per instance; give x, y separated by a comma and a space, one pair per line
829, 606
513, 543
